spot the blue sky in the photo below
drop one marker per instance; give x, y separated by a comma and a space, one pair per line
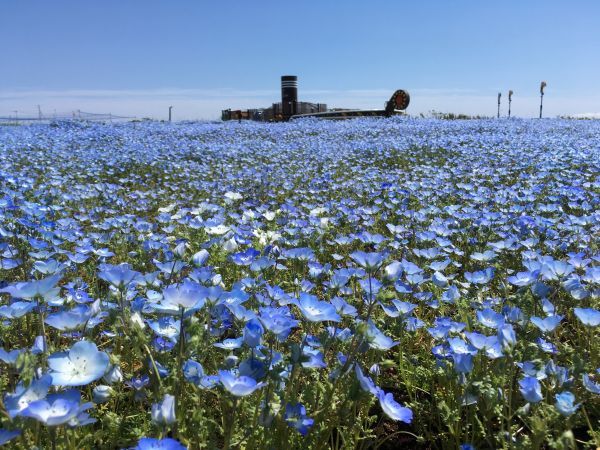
138, 57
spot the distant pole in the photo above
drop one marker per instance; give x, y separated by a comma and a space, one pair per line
499, 95
39, 113
170, 108
542, 86
16, 118
510, 94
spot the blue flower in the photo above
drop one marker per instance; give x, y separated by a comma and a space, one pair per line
531, 389
37, 390
490, 318
81, 365
481, 276
45, 288
315, 310
101, 393
159, 444
565, 403
8, 435
187, 295
548, 324
119, 276
376, 339
295, 417
238, 386
58, 409
163, 413
393, 409
166, 326
588, 316
193, 371
594, 388
253, 331
368, 261
507, 336
463, 362
366, 383
69, 320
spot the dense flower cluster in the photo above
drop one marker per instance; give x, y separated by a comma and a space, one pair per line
300, 285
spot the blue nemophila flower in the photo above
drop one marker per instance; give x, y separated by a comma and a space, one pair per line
507, 336
523, 278
531, 389
439, 279
37, 390
279, 321
138, 384
81, 365
163, 413
554, 270
547, 347
113, 374
49, 267
548, 324
45, 288
376, 339
490, 318
238, 386
229, 344
159, 444
119, 276
166, 326
187, 295
463, 362
295, 417
8, 435
594, 388
480, 276
246, 257
101, 393
58, 409
16, 309
70, 319
489, 343
200, 257
366, 383
588, 316
193, 371
316, 310
487, 255
343, 308
565, 403
253, 332
368, 261
10, 357
393, 409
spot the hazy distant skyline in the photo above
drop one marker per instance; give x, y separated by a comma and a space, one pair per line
136, 58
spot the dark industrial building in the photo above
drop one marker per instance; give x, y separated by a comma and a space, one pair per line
291, 108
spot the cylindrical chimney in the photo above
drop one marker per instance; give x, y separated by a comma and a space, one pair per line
289, 95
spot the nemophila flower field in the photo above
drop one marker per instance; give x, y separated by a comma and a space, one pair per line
392, 283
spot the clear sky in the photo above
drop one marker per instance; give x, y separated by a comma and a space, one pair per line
137, 57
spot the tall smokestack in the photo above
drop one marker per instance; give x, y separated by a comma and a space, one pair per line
289, 95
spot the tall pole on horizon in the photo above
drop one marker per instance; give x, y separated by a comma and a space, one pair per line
542, 86
510, 94
499, 95
170, 108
